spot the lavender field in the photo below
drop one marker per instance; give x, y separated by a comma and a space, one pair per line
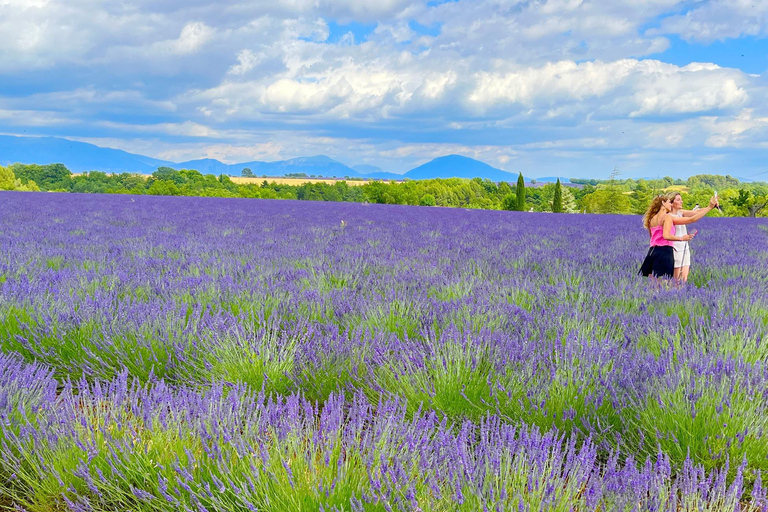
164, 353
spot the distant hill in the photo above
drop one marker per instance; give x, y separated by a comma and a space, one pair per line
83, 157
207, 166
376, 173
457, 166
320, 165
77, 156
366, 169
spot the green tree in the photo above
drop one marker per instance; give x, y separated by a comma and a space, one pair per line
246, 172
47, 177
557, 201
29, 186
751, 203
641, 197
609, 197
169, 174
7, 178
520, 195
605, 200
427, 200
163, 188
569, 201
509, 202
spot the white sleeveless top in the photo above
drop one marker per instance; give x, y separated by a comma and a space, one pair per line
680, 230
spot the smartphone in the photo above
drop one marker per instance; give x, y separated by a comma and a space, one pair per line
693, 232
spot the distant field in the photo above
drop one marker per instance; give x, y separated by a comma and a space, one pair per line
679, 188
240, 180
295, 181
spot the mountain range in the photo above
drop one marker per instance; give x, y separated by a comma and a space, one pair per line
83, 157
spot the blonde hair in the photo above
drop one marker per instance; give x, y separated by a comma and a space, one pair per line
672, 195
653, 209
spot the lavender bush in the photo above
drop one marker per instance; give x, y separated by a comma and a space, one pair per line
223, 354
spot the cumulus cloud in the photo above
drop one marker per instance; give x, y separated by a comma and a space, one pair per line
392, 88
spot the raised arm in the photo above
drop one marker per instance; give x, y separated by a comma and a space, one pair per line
689, 217
668, 231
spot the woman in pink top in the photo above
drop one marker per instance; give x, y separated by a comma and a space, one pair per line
660, 260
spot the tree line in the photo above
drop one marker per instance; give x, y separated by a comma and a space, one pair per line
627, 196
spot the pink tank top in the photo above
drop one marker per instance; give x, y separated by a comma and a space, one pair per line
657, 237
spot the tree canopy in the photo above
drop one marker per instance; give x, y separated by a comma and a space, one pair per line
622, 196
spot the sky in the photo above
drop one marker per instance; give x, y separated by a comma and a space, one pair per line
572, 88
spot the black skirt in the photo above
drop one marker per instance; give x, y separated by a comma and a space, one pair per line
660, 262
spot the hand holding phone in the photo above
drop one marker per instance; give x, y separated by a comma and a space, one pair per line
693, 233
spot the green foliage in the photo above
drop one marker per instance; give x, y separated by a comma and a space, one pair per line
427, 200
7, 178
29, 186
607, 200
641, 197
47, 177
609, 197
169, 174
595, 196
541, 199
714, 181
8, 181
246, 172
752, 203
163, 188
520, 195
557, 201
509, 202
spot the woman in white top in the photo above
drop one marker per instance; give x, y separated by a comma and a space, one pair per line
682, 250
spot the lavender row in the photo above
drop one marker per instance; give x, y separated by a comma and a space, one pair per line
123, 445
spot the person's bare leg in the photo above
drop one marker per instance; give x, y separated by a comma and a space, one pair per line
676, 273
684, 272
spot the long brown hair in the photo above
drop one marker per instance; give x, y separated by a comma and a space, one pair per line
653, 210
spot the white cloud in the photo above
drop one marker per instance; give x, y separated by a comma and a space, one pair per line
187, 128
737, 131
193, 37
246, 61
393, 88
28, 118
719, 20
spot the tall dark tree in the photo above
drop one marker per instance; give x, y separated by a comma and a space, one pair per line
557, 201
520, 193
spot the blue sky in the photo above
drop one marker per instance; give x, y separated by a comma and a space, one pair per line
573, 88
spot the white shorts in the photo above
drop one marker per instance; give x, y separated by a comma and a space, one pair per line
683, 256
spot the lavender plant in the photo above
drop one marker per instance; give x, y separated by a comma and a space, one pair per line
159, 350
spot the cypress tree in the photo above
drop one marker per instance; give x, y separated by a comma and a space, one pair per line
557, 202
520, 193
